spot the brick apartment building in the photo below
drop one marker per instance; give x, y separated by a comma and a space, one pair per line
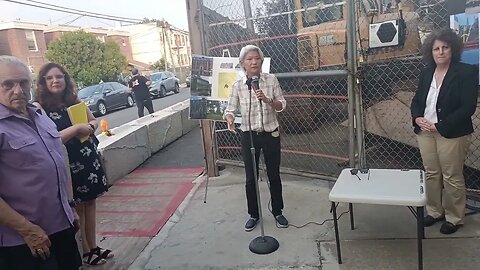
29, 41
141, 44
25, 41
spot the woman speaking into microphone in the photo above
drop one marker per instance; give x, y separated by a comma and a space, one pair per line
259, 98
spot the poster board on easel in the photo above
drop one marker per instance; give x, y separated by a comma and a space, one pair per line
211, 84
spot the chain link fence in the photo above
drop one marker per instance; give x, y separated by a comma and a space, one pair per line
306, 40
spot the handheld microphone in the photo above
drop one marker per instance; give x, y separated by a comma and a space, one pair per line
255, 87
255, 84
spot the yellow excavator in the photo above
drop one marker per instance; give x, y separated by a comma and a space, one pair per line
389, 37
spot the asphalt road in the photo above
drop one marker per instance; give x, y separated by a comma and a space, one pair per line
124, 115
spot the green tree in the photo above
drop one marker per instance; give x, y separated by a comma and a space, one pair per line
87, 59
159, 65
115, 61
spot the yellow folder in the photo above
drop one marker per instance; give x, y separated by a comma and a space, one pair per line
78, 115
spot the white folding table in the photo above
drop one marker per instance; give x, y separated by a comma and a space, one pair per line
381, 186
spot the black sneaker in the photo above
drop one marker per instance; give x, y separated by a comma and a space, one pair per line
281, 221
449, 228
251, 224
429, 220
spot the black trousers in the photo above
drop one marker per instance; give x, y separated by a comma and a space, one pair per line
144, 102
271, 151
64, 255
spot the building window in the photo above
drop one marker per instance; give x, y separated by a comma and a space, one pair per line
31, 40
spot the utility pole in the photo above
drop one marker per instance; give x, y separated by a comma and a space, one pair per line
162, 26
169, 42
248, 15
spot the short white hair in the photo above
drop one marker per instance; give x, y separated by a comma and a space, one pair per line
245, 50
8, 59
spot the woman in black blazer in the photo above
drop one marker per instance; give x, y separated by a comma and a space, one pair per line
441, 109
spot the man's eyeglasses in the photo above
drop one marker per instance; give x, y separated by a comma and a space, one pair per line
56, 77
362, 171
10, 84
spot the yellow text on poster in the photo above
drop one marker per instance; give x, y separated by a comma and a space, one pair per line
225, 81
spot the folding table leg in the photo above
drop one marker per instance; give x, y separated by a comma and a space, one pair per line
352, 223
422, 224
337, 239
420, 236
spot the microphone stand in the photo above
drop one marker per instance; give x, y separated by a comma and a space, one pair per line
261, 244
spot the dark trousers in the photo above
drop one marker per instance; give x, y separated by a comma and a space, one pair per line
144, 103
64, 255
271, 152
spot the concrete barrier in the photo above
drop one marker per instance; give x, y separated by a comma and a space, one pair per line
163, 128
134, 142
124, 151
184, 108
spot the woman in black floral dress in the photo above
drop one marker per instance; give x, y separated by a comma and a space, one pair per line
54, 93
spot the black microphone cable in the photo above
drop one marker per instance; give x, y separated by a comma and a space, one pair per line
306, 224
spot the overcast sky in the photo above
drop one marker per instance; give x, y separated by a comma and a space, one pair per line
174, 11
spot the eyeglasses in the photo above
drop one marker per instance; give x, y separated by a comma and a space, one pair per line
56, 77
10, 84
362, 171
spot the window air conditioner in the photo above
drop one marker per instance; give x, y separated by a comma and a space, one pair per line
384, 34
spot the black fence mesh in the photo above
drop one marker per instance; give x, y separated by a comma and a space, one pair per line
304, 36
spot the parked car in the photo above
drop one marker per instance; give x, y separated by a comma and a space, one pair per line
187, 80
107, 96
162, 83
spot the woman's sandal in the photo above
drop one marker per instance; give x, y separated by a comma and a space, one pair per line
92, 259
102, 253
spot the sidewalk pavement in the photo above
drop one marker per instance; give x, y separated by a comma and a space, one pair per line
211, 235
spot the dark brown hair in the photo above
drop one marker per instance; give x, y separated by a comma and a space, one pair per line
446, 35
45, 98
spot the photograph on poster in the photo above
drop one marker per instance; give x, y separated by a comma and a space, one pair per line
466, 26
215, 109
205, 108
202, 65
201, 78
200, 86
198, 107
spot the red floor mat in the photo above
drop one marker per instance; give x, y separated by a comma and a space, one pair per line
141, 203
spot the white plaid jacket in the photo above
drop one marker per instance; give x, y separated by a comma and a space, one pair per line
240, 99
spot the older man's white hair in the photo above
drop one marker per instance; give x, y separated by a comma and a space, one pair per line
8, 59
245, 50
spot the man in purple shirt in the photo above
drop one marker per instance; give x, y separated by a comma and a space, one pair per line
36, 220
